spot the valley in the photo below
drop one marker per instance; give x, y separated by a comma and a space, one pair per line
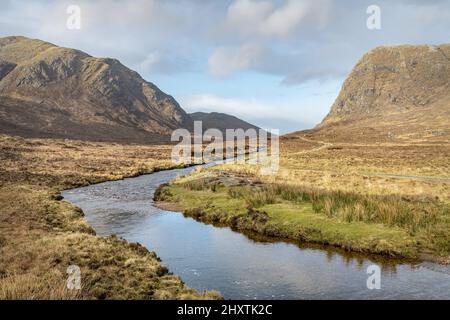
369, 183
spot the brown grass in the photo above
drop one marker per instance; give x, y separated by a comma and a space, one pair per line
40, 236
29, 286
420, 170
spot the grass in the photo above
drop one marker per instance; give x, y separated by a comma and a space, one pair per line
393, 225
40, 235
392, 210
365, 168
411, 213
29, 286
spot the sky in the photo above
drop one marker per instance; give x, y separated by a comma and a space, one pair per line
279, 64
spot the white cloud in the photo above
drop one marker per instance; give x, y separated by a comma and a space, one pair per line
248, 15
264, 18
150, 60
163, 63
294, 67
286, 19
227, 60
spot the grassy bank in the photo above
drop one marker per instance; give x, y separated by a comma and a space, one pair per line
40, 235
392, 225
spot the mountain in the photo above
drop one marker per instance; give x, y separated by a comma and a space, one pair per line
221, 121
394, 93
50, 91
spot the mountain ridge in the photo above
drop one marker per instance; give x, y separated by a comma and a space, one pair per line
71, 94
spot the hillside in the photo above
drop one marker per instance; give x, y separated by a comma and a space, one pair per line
398, 93
49, 91
221, 121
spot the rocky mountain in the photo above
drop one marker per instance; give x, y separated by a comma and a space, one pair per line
394, 93
221, 121
50, 91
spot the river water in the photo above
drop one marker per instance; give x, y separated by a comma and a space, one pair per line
207, 257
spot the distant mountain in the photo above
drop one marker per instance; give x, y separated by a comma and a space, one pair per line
49, 91
394, 93
221, 121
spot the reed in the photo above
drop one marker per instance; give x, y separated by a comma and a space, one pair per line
391, 210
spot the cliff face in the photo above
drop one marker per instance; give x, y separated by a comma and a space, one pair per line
401, 91
46, 90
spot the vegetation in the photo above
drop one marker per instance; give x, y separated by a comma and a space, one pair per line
392, 210
323, 193
40, 235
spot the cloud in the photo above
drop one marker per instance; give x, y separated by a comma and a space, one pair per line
302, 40
227, 60
292, 67
265, 18
164, 63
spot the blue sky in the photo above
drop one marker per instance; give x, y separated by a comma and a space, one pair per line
276, 63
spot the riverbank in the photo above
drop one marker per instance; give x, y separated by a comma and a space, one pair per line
41, 236
394, 226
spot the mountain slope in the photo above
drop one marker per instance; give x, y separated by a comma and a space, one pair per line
49, 91
221, 121
394, 93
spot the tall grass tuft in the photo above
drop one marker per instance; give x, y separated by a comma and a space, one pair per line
51, 286
201, 185
392, 210
196, 185
388, 210
260, 197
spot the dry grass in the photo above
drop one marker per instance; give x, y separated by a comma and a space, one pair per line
40, 236
412, 169
29, 286
66, 163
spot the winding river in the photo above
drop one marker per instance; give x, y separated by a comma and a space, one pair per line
207, 257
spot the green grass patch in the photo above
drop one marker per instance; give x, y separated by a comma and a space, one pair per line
390, 225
